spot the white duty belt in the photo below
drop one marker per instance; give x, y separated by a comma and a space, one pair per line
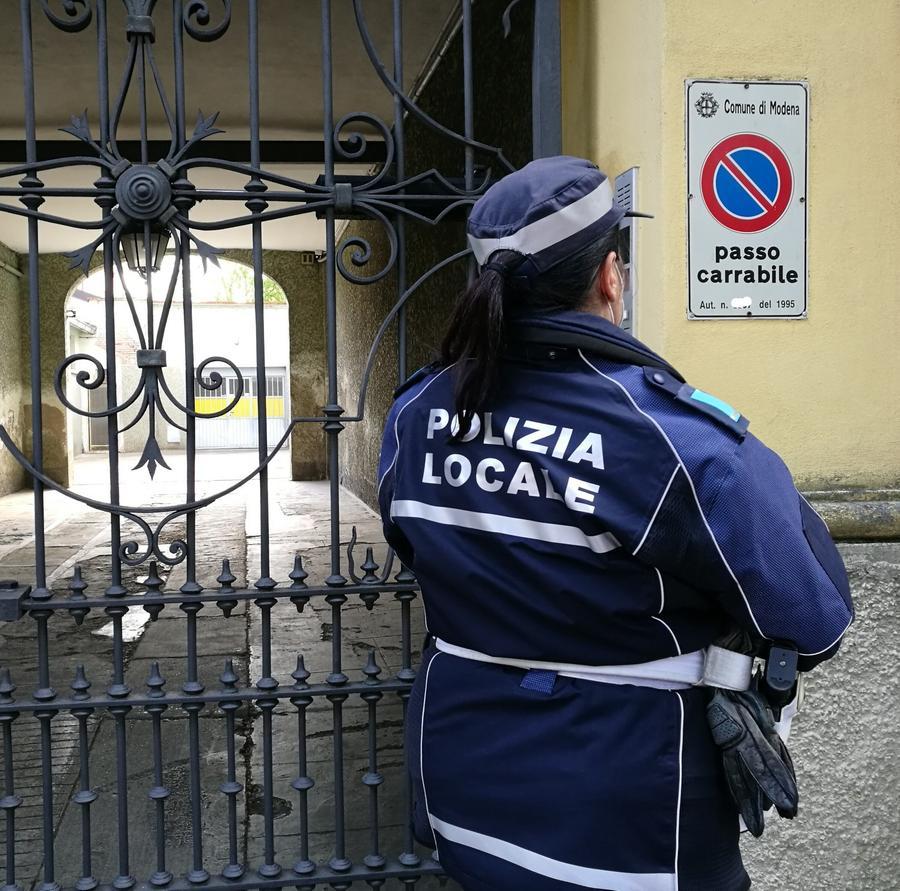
712, 667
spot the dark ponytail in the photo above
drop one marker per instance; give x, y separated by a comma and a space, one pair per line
475, 336
477, 329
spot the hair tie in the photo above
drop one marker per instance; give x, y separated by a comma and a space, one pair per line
501, 269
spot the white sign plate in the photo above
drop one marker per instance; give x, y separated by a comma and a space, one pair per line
746, 166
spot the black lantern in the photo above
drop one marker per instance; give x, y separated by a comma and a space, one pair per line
140, 256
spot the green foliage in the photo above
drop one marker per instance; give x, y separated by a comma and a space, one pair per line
238, 286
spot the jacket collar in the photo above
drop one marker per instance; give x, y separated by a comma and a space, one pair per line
590, 333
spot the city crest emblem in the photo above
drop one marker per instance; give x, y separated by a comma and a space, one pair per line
706, 105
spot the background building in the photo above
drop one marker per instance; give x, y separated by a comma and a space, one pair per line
223, 312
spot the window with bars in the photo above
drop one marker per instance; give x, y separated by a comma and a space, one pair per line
203, 391
249, 386
229, 386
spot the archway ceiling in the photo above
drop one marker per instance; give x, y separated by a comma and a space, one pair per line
216, 80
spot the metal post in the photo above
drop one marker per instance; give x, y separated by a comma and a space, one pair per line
546, 81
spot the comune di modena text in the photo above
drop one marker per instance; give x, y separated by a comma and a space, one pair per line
774, 107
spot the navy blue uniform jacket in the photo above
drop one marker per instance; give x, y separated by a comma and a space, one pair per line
599, 513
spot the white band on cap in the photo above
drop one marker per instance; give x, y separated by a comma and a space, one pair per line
551, 229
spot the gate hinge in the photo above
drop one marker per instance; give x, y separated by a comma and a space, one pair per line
11, 596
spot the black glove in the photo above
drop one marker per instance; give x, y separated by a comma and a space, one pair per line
757, 764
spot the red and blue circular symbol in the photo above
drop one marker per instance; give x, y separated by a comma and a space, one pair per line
746, 182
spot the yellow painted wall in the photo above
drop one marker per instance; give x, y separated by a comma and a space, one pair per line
824, 392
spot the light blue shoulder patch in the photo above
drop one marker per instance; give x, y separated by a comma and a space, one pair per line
715, 402
699, 400
713, 407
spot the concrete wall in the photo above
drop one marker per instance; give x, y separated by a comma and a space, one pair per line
846, 748
360, 311
823, 392
502, 106
12, 372
55, 280
818, 390
303, 285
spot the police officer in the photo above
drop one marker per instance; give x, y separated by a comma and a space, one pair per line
584, 526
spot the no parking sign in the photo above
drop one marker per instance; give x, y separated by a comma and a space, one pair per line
746, 165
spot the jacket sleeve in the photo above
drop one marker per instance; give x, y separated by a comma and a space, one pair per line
752, 540
387, 472
781, 554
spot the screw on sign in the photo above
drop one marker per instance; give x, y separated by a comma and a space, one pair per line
746, 182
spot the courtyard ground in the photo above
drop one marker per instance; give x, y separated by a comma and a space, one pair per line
229, 528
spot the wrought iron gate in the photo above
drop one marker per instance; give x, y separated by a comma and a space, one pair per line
143, 198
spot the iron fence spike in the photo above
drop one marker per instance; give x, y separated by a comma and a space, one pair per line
300, 674
229, 677
371, 669
226, 578
7, 687
77, 587
80, 685
155, 680
298, 574
153, 582
370, 563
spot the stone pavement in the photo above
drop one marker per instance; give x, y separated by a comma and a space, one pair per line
299, 517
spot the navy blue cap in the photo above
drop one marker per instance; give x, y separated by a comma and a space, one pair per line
547, 211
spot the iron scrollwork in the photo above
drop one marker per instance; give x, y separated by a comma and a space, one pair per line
77, 14
197, 18
142, 198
